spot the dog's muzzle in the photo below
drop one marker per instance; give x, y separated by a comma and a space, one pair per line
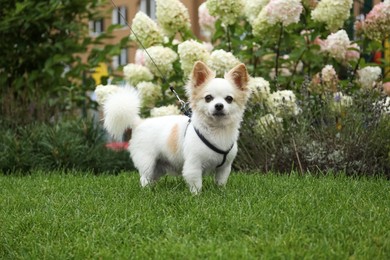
219, 110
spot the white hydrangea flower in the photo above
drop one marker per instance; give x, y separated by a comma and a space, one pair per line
329, 78
377, 23
368, 76
337, 45
172, 16
383, 105
260, 25
149, 93
340, 102
165, 111
191, 51
146, 30
269, 124
284, 12
328, 73
206, 21
103, 91
163, 57
221, 62
260, 89
228, 11
140, 57
332, 13
283, 103
353, 52
135, 73
253, 8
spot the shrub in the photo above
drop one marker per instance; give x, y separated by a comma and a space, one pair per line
356, 141
69, 145
42, 74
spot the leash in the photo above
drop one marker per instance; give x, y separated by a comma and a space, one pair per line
185, 106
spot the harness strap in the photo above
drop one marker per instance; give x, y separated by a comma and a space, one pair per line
212, 147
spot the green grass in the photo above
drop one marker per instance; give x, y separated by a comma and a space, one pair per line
58, 216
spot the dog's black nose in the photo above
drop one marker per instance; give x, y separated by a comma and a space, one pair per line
219, 106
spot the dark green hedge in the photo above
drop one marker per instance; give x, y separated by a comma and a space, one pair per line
71, 145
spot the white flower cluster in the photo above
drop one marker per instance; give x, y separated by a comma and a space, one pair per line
368, 76
191, 51
328, 74
337, 44
284, 12
340, 102
268, 124
146, 30
163, 57
283, 103
253, 8
140, 57
172, 16
228, 11
206, 21
103, 91
377, 22
221, 62
149, 93
383, 105
135, 73
260, 25
260, 89
164, 111
332, 13
329, 79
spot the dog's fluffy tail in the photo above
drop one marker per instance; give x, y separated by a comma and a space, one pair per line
121, 111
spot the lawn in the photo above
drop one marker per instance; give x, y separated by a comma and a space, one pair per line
62, 216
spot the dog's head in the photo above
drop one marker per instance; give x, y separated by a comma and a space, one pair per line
218, 101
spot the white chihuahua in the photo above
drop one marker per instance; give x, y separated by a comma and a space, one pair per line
177, 145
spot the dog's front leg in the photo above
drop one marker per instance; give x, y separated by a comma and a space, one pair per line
192, 173
222, 174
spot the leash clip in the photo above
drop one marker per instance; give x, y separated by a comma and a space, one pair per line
185, 106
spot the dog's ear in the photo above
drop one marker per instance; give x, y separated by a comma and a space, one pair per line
200, 74
239, 76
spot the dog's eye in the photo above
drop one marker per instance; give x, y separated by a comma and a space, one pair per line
208, 98
229, 99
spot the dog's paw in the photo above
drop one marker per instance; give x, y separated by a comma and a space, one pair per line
144, 181
195, 190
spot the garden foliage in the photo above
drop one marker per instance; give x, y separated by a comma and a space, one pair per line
42, 74
319, 100
77, 145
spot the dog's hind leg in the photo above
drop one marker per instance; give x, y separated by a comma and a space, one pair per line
160, 170
151, 171
146, 166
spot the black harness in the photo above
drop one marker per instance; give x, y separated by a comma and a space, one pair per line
210, 145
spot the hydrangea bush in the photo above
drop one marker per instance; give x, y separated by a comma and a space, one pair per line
317, 98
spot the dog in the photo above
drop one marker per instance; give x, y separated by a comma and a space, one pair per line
179, 145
